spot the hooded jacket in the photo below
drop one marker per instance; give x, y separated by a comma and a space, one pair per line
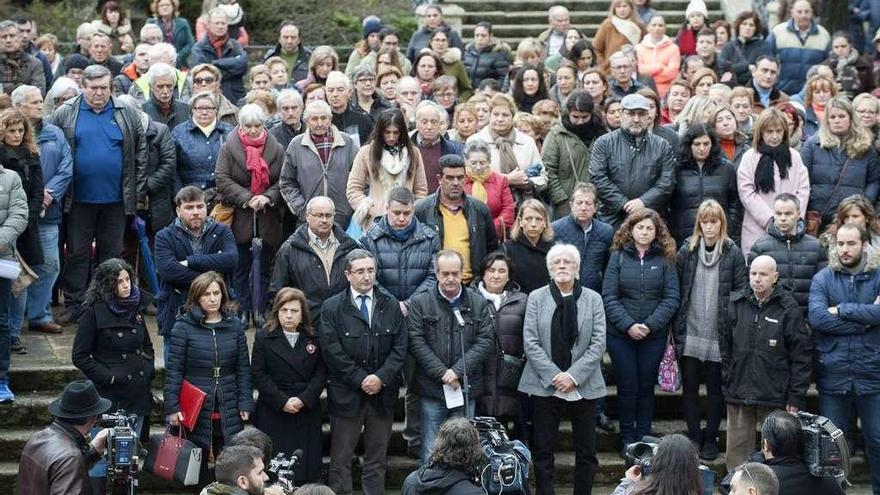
491, 62
566, 159
848, 343
660, 60
440, 480
452, 66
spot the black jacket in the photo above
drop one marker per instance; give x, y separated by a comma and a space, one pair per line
195, 351
354, 122
403, 268
624, 168
795, 479
740, 55
761, 342
439, 480
492, 62
733, 277
117, 355
479, 221
300, 69
178, 114
354, 349
529, 262
233, 64
161, 169
716, 180
798, 258
284, 133
508, 327
434, 340
297, 265
28, 168
640, 291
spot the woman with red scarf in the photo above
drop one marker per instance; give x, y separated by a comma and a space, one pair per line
247, 173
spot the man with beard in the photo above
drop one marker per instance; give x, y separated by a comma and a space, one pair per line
566, 152
631, 167
845, 314
239, 471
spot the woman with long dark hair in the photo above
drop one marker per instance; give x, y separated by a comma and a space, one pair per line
710, 268
703, 173
747, 45
529, 87
388, 160
641, 295
426, 67
290, 375
675, 469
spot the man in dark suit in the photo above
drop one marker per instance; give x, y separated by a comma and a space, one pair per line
363, 338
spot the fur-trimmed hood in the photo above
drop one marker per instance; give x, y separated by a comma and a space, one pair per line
451, 56
873, 254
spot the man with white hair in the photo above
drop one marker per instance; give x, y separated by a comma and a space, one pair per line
553, 37
290, 108
163, 53
17, 67
408, 97
139, 65
318, 162
622, 81
56, 162
84, 34
163, 106
564, 341
151, 34
346, 117
223, 52
430, 138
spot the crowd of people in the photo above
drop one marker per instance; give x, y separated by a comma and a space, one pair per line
473, 224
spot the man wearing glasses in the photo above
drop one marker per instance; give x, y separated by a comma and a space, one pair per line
431, 124
622, 81
753, 478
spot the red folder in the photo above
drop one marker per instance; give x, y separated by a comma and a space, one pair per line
192, 399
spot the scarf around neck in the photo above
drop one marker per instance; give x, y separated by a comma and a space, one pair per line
400, 235
253, 151
506, 157
218, 43
127, 307
478, 188
564, 326
394, 164
764, 177
627, 28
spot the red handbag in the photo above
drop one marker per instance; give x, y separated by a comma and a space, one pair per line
174, 458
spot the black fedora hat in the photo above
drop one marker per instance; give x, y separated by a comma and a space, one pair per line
80, 399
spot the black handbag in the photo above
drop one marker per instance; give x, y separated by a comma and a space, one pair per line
510, 367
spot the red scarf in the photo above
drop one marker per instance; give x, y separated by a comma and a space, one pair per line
218, 43
253, 152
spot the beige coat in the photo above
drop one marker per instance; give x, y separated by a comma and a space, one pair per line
363, 178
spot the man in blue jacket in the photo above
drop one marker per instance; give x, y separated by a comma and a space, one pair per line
799, 44
223, 52
191, 245
845, 314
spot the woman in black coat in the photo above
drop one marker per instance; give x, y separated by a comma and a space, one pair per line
508, 310
703, 173
530, 239
290, 375
112, 346
208, 349
710, 268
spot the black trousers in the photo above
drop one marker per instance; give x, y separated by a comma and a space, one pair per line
548, 411
692, 371
103, 224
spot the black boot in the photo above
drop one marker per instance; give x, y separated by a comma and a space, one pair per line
709, 450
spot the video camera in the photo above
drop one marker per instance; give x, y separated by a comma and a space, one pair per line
826, 453
641, 453
507, 471
123, 452
281, 468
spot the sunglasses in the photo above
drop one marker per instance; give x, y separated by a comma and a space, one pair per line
203, 80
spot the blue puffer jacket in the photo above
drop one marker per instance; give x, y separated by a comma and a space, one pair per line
195, 351
848, 343
56, 160
640, 291
594, 248
403, 268
796, 57
196, 154
825, 165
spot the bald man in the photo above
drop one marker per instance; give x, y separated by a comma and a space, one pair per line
765, 357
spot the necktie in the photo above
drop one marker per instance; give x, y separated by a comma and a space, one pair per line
364, 310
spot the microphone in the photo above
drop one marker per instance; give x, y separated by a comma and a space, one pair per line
458, 317
297, 455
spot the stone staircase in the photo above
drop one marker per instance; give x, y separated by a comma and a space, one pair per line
513, 20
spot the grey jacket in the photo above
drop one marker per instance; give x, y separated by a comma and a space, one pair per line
134, 150
13, 212
586, 356
303, 176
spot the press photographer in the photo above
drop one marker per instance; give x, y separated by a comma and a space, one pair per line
57, 459
782, 444
672, 468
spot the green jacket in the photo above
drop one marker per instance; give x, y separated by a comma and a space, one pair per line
452, 66
567, 161
216, 488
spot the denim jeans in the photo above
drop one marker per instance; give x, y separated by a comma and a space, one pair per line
5, 340
635, 366
839, 409
36, 299
434, 413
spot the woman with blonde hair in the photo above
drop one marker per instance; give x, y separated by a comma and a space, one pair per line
323, 61
529, 51
530, 240
819, 90
698, 110
621, 27
770, 168
733, 142
464, 122
710, 268
702, 81
841, 162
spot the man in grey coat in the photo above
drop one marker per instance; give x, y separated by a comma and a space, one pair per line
318, 163
564, 340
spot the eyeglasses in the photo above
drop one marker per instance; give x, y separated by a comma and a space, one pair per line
204, 109
365, 79
203, 80
745, 468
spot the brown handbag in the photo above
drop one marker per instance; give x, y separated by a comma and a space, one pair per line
814, 217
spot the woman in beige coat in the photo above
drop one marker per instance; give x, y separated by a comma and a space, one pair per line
387, 161
622, 27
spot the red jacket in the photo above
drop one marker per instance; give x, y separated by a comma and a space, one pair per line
500, 202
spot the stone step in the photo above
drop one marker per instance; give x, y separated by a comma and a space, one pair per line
578, 18
573, 5
511, 32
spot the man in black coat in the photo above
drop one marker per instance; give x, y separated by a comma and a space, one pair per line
782, 444
443, 322
766, 356
313, 258
363, 337
798, 255
346, 118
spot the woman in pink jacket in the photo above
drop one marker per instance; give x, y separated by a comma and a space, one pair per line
658, 55
770, 168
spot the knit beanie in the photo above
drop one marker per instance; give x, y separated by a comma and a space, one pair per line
372, 24
696, 7
75, 61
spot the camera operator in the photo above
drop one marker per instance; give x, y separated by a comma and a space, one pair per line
754, 479
454, 464
253, 437
782, 443
239, 471
57, 459
674, 468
